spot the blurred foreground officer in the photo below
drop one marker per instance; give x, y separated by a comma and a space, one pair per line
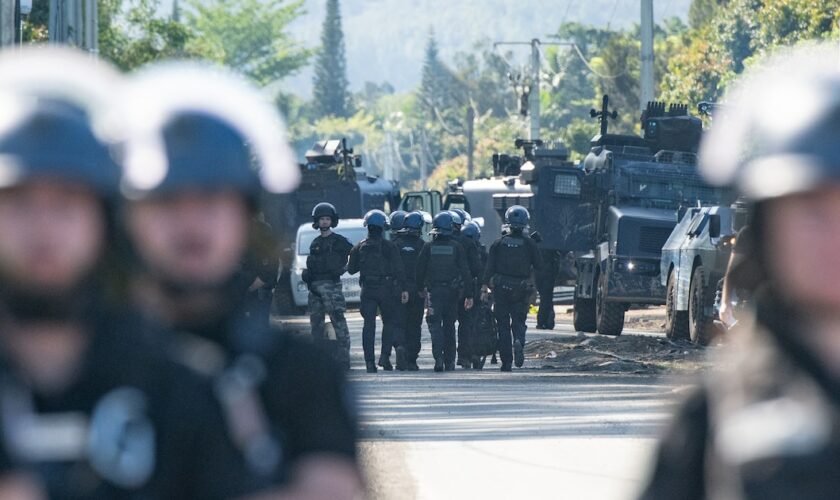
326, 262
382, 278
442, 272
510, 262
90, 405
768, 427
410, 314
191, 192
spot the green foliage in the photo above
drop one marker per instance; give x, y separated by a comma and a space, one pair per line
250, 36
132, 34
331, 97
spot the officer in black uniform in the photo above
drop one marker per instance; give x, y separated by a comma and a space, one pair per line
410, 317
91, 406
382, 278
287, 406
260, 269
326, 262
442, 272
765, 425
465, 317
510, 262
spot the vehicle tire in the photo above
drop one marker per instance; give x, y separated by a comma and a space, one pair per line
676, 322
699, 325
284, 303
609, 315
583, 316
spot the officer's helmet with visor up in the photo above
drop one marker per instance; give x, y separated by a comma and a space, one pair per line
413, 221
471, 230
189, 127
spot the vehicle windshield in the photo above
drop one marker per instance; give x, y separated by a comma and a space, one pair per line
354, 234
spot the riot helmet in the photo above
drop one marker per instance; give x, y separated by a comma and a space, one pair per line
413, 221
465, 217
456, 217
376, 219
517, 217
397, 220
443, 223
324, 209
196, 127
471, 230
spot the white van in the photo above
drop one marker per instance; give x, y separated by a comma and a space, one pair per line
353, 230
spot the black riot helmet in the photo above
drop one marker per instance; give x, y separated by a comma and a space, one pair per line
376, 218
55, 140
397, 220
517, 217
413, 221
778, 133
443, 223
324, 209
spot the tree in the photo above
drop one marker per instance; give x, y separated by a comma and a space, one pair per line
331, 96
250, 36
135, 35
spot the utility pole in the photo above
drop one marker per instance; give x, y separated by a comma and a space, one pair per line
470, 140
534, 87
8, 26
646, 89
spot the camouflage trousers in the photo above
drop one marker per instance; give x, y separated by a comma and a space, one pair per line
327, 298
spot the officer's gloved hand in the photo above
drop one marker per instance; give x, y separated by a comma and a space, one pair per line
485, 294
305, 276
404, 297
468, 303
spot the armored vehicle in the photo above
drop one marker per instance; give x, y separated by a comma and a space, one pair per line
693, 264
332, 173
616, 209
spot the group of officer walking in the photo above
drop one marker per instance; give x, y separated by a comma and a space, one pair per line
404, 276
131, 362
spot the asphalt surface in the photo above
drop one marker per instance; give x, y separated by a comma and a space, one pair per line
533, 433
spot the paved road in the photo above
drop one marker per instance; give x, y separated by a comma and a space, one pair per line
528, 434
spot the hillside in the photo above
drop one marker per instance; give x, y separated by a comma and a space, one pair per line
385, 38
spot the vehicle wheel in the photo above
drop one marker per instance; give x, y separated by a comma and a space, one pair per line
583, 316
676, 322
284, 303
699, 325
609, 315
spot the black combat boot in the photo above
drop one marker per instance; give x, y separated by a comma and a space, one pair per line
438, 365
494, 360
506, 367
450, 366
385, 363
401, 363
371, 366
518, 354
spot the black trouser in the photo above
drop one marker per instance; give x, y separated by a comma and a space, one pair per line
410, 322
545, 287
259, 305
441, 320
385, 299
466, 330
510, 310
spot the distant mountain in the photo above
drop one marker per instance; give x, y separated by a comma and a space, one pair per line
385, 38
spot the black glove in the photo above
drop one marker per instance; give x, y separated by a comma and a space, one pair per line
305, 276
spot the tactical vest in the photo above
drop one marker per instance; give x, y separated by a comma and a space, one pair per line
513, 257
409, 247
443, 264
328, 257
374, 268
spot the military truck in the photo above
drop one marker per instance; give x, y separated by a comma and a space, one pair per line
616, 209
693, 264
333, 173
